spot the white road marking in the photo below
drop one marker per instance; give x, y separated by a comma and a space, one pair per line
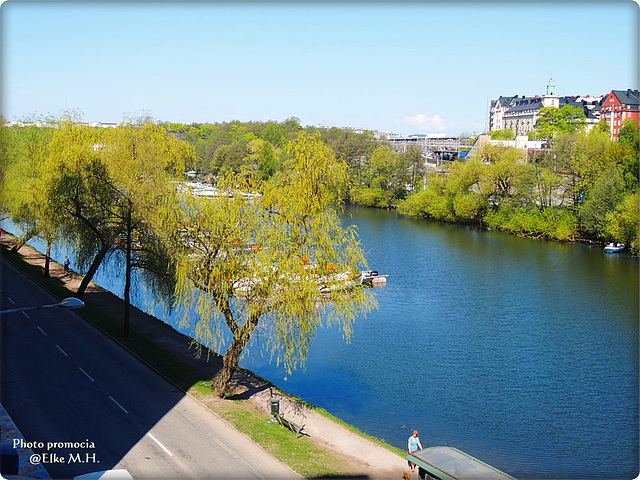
65, 353
161, 445
8, 298
25, 314
88, 376
114, 401
43, 332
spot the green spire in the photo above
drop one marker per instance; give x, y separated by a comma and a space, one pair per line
551, 87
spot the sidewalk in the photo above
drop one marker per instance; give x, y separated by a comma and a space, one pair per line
368, 459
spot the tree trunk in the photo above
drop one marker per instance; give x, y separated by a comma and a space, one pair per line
127, 280
47, 260
232, 357
230, 363
92, 270
21, 243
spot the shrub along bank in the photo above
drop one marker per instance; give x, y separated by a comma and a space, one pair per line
585, 187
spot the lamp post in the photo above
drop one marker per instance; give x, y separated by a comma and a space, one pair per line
69, 302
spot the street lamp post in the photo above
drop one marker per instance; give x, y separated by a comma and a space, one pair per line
69, 302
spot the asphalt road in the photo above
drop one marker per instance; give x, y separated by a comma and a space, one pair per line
63, 381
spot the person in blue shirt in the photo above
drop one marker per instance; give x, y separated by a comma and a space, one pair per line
413, 446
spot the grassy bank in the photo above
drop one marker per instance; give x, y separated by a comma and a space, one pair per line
303, 455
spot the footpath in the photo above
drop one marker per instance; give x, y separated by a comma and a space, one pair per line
368, 459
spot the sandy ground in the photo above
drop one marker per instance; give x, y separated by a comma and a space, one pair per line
369, 460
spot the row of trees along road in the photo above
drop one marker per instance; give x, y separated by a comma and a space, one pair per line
248, 267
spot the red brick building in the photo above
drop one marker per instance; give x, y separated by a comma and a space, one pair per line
618, 106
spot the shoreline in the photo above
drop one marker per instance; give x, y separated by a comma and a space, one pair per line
353, 454
483, 228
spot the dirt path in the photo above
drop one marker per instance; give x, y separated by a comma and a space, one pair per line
369, 460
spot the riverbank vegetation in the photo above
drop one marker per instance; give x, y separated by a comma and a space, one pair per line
583, 187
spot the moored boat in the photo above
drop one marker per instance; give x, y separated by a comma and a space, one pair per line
372, 277
614, 248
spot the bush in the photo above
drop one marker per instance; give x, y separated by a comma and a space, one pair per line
622, 223
429, 203
506, 134
469, 207
549, 223
371, 197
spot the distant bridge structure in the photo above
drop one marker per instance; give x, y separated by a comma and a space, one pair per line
434, 147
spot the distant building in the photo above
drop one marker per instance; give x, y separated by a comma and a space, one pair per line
498, 109
521, 142
523, 115
435, 146
620, 105
520, 113
53, 124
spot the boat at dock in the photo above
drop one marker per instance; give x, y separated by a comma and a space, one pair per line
372, 277
614, 248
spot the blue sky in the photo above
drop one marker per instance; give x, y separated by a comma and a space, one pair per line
414, 67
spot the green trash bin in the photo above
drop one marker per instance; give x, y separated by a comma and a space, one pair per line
275, 407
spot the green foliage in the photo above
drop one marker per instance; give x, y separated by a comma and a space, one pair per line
23, 193
601, 201
223, 147
507, 174
469, 207
24, 153
390, 172
549, 223
229, 158
259, 264
371, 197
415, 163
622, 223
350, 146
506, 134
552, 121
576, 189
602, 127
629, 139
262, 146
276, 134
432, 202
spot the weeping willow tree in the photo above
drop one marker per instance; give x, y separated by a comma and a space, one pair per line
271, 268
23, 193
142, 159
76, 186
105, 184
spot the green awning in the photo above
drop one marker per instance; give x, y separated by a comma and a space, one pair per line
448, 463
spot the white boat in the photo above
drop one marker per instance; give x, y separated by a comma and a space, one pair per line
372, 277
614, 248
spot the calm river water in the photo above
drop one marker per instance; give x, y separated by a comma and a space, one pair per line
522, 353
